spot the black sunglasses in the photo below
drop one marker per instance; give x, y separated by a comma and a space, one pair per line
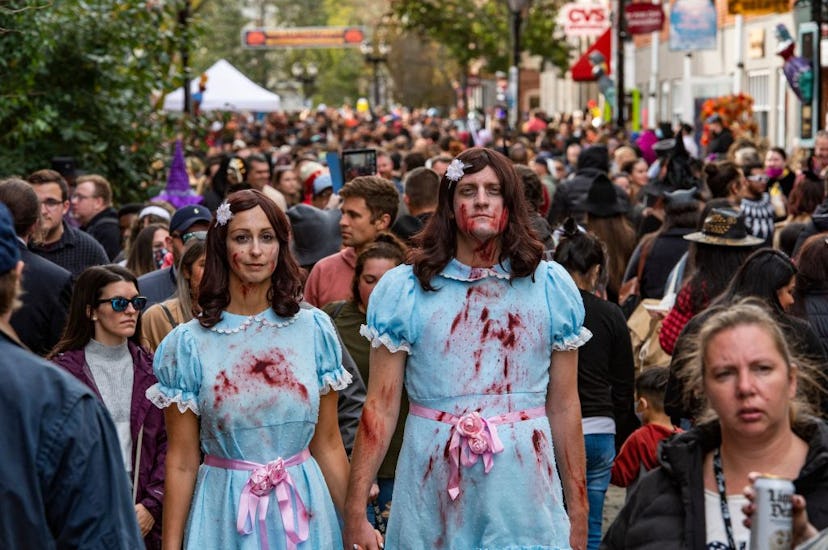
119, 303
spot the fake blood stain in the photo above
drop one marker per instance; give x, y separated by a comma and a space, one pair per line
272, 369
369, 428
223, 388
275, 371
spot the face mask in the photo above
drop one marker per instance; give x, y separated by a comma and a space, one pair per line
774, 172
159, 256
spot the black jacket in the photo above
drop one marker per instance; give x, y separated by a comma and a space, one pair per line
105, 229
816, 311
666, 508
606, 372
47, 290
818, 224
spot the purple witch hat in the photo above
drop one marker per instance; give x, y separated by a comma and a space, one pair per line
178, 192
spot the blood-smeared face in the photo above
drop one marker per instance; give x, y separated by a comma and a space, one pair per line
252, 247
478, 207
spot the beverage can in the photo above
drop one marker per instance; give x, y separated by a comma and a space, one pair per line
771, 526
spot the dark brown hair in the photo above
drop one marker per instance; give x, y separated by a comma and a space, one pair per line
42, 177
286, 283
79, 328
437, 242
141, 256
386, 246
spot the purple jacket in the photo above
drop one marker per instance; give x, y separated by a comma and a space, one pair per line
142, 413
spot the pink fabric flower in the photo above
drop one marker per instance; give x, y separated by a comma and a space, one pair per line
471, 425
276, 471
265, 478
260, 481
478, 445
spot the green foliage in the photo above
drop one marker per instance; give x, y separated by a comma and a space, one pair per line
78, 76
471, 30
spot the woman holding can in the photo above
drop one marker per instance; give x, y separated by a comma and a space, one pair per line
756, 420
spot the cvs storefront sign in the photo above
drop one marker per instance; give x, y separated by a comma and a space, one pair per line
583, 19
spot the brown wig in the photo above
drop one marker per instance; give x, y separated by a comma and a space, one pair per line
437, 244
79, 328
386, 246
286, 284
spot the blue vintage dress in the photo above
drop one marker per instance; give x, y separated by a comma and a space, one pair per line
481, 342
255, 383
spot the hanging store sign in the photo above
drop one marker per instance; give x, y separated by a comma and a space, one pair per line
758, 7
583, 19
643, 17
302, 37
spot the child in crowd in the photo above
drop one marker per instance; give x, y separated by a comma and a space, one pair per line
639, 452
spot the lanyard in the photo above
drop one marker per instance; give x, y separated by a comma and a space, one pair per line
720, 484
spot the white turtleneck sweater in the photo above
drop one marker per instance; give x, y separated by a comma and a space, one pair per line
112, 371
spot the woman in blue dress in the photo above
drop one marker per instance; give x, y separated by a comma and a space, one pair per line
484, 334
249, 384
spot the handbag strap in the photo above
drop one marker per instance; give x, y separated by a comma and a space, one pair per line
169, 315
646, 247
137, 465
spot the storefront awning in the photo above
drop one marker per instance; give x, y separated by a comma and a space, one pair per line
582, 69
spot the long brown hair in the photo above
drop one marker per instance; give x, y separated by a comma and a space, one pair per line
79, 328
436, 244
286, 283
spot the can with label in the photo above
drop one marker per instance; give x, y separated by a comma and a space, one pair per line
771, 526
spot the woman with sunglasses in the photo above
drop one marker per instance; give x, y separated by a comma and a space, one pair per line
99, 347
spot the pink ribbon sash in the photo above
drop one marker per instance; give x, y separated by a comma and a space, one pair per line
473, 436
255, 497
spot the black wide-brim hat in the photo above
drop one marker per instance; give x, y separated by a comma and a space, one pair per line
724, 227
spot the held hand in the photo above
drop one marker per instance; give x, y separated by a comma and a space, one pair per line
373, 493
361, 535
802, 528
578, 532
145, 520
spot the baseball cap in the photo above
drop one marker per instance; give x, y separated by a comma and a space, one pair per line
187, 216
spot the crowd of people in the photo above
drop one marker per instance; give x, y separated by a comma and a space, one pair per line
462, 348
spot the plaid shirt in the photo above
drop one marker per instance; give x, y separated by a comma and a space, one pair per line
75, 251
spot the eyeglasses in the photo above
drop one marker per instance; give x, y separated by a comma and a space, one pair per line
119, 303
51, 203
78, 197
198, 235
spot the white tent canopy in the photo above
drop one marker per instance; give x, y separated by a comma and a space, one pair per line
227, 90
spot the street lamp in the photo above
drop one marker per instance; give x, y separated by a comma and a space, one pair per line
516, 8
375, 55
306, 75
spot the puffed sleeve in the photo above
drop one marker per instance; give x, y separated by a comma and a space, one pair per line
329, 370
390, 310
566, 310
178, 370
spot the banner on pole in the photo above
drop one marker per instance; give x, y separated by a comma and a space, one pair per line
693, 25
302, 37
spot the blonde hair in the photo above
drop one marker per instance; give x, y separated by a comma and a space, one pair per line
755, 313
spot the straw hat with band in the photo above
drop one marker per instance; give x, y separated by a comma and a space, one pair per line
724, 227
